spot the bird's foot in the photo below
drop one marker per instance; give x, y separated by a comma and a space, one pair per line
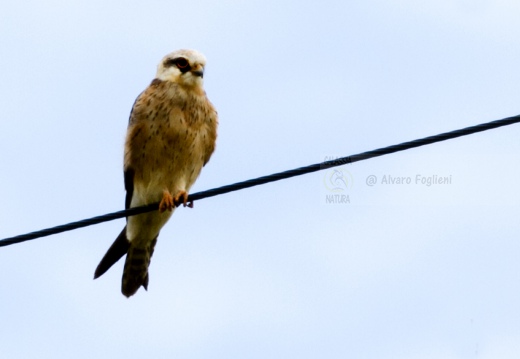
167, 202
182, 197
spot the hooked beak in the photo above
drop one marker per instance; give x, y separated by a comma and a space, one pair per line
199, 73
198, 70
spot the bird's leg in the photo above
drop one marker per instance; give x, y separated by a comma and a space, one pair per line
167, 202
182, 197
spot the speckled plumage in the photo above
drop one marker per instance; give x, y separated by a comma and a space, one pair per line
171, 136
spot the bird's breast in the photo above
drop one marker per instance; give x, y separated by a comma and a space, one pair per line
168, 148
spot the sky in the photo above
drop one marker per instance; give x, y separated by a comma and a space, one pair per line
378, 259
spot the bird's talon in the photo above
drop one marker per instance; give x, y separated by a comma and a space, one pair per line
181, 197
167, 202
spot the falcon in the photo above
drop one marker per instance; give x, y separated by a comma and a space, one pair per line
171, 135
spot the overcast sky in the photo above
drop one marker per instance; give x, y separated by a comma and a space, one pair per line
319, 266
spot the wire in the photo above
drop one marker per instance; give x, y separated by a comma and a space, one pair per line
267, 179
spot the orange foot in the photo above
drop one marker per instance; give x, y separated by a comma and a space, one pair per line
167, 202
182, 197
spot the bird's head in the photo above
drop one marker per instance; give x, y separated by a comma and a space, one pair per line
184, 67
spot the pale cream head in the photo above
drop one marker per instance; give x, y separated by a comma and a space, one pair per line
185, 67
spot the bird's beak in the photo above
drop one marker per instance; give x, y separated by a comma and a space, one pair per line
198, 70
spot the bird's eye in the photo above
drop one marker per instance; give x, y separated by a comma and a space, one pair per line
182, 63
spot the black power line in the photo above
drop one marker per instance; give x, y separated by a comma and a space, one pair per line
266, 179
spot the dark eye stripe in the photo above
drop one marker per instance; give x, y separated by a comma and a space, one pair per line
181, 63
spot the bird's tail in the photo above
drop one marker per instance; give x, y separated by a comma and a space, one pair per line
135, 273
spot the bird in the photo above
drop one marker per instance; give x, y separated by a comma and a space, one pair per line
171, 135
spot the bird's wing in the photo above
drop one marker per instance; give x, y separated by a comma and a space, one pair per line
129, 186
118, 249
121, 245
